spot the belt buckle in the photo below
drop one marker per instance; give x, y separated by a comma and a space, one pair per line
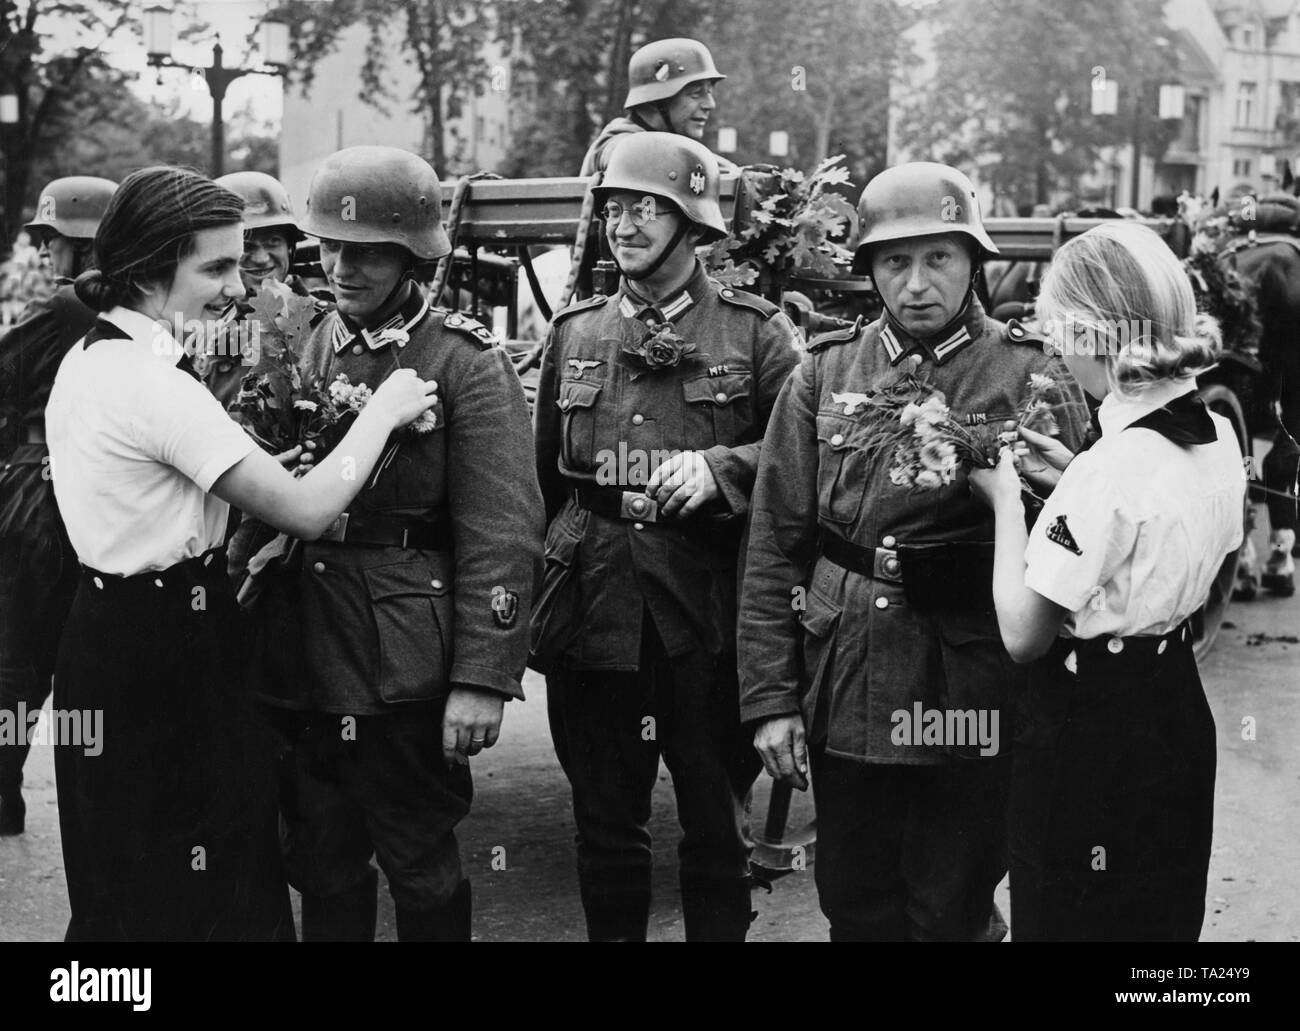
337, 531
640, 507
885, 566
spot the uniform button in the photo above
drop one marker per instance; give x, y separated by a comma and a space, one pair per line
888, 541
319, 567
436, 584
837, 440
99, 583
564, 405
358, 349
882, 603
638, 419
728, 293
638, 526
720, 397
1115, 645
157, 583
207, 560
1160, 648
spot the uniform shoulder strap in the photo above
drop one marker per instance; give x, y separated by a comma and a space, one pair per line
744, 299
587, 304
483, 337
838, 336
1016, 333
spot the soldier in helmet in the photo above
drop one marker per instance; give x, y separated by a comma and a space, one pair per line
391, 644
38, 568
670, 89
649, 416
896, 618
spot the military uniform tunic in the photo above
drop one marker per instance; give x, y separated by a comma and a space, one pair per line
598, 413
857, 647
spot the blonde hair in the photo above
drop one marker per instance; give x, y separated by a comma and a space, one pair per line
1120, 275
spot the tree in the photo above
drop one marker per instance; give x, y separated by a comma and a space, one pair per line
1012, 89
51, 85
819, 71
444, 39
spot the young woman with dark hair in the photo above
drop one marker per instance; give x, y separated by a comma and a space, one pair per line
167, 816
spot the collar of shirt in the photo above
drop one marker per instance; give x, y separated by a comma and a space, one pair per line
959, 334
633, 306
396, 327
1117, 413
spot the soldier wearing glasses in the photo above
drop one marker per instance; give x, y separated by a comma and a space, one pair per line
650, 413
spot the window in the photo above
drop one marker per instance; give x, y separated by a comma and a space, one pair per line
1189, 132
1241, 168
1247, 37
1246, 104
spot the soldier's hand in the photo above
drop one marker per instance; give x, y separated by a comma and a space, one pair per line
471, 723
1041, 459
404, 397
298, 459
682, 485
780, 744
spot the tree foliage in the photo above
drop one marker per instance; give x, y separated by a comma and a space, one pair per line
1013, 83
442, 38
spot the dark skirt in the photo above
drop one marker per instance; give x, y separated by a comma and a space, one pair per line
169, 832
1112, 794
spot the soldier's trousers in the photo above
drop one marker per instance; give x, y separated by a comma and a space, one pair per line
378, 786
610, 728
37, 584
1279, 472
910, 852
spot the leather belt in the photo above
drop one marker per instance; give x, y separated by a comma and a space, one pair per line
880, 563
382, 531
616, 503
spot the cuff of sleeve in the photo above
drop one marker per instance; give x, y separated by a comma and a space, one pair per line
718, 458
223, 461
487, 679
766, 708
1055, 592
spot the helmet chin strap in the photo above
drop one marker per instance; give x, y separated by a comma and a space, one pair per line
678, 235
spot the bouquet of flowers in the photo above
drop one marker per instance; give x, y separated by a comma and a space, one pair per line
910, 417
793, 227
282, 407
1218, 285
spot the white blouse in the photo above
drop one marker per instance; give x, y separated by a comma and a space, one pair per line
135, 445
1135, 532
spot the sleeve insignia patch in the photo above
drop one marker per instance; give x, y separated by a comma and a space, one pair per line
1060, 534
505, 607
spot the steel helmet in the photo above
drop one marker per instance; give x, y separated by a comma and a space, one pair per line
667, 165
266, 201
662, 69
378, 195
73, 206
920, 198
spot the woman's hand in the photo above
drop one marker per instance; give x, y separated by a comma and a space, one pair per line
404, 397
1041, 459
998, 486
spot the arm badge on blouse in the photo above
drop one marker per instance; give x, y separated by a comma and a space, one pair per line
1060, 534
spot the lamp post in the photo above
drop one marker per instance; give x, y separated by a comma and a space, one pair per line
274, 46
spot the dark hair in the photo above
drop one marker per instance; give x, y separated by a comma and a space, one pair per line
149, 228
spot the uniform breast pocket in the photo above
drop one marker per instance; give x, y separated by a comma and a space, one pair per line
412, 607
577, 404
718, 409
842, 468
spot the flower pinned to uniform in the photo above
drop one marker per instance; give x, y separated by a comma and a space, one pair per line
426, 422
661, 349
347, 395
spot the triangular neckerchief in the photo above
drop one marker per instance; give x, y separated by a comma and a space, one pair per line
105, 330
1184, 421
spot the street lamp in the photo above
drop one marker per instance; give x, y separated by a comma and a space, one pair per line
273, 45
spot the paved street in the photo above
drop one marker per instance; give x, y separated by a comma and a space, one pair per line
522, 806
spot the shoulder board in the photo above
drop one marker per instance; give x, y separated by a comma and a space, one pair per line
838, 336
483, 337
1018, 334
595, 301
744, 299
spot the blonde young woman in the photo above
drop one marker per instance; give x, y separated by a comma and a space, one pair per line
1112, 797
